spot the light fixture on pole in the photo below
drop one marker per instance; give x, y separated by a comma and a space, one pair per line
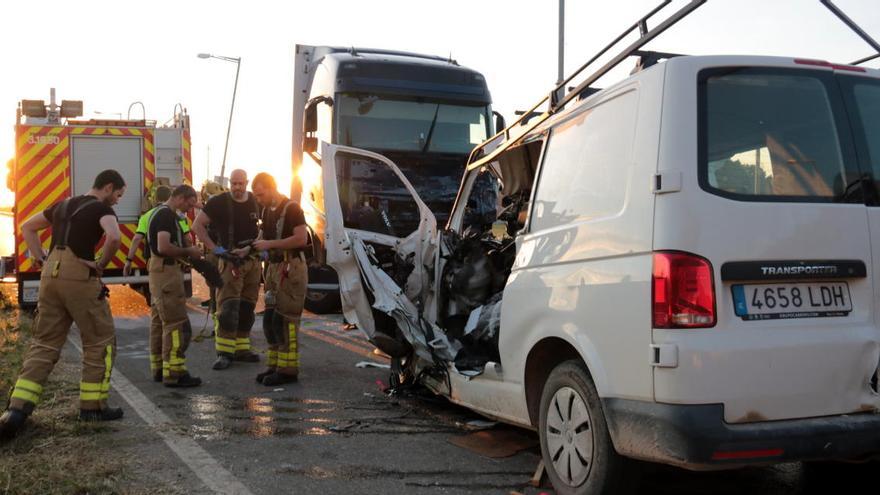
237, 61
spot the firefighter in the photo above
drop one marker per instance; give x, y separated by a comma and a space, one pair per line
163, 194
71, 291
209, 190
284, 236
169, 245
233, 216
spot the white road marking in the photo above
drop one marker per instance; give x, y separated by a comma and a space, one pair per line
212, 474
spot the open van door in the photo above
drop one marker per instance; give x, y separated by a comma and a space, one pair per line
380, 240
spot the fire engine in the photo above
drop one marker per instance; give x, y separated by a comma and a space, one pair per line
58, 157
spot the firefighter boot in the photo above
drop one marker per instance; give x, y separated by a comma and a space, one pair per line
223, 361
277, 378
105, 414
264, 374
184, 381
11, 423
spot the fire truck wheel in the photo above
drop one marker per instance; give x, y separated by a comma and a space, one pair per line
323, 302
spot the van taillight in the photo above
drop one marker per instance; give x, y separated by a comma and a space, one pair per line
683, 291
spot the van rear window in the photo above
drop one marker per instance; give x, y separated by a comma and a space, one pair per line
770, 134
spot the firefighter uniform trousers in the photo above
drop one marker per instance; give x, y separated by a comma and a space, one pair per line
170, 330
287, 280
69, 293
236, 302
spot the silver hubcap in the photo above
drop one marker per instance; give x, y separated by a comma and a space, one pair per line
569, 434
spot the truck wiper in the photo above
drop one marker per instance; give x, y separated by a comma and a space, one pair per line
431, 130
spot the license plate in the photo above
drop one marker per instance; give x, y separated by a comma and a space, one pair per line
803, 300
30, 294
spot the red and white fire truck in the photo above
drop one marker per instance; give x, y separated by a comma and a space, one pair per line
58, 157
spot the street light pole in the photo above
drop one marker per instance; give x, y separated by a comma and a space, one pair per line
237, 61
560, 72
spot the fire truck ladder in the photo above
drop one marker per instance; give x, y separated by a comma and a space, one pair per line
561, 96
858, 30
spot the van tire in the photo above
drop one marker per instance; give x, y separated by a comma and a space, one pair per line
605, 472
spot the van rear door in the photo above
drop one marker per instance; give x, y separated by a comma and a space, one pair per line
776, 207
861, 93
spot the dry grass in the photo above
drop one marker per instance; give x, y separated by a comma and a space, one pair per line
56, 453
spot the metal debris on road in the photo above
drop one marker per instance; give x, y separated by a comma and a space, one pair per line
480, 424
371, 364
495, 443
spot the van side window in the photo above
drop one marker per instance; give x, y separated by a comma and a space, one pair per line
772, 134
863, 95
586, 164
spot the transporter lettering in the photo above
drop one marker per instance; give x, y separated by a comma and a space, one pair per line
799, 270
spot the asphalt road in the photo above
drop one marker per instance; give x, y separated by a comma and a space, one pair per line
336, 431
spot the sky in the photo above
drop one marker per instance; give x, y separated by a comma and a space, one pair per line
112, 53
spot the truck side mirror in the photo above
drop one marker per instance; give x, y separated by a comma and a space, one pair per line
310, 114
310, 119
499, 121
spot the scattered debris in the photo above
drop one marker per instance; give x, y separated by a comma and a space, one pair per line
481, 424
371, 364
346, 426
379, 353
539, 474
495, 443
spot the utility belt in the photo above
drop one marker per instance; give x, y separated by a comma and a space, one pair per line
164, 261
73, 269
285, 256
289, 255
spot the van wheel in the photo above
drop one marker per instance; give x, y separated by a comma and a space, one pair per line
575, 444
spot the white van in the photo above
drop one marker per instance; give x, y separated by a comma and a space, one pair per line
677, 269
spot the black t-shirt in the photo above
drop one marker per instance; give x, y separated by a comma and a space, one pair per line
164, 220
245, 216
85, 225
293, 218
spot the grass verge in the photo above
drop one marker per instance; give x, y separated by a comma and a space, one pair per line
56, 453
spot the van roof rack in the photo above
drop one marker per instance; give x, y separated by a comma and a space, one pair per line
562, 94
856, 29
648, 58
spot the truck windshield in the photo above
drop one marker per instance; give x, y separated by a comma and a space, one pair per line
377, 123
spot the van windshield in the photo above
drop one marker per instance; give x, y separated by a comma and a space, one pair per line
772, 134
375, 122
